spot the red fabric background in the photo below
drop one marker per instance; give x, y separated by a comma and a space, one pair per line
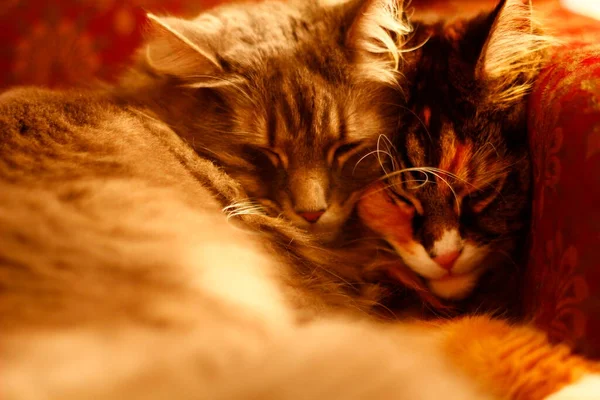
69, 42
564, 275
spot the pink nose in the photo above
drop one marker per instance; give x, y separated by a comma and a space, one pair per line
312, 217
447, 260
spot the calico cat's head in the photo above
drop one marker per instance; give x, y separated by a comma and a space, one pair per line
286, 97
463, 171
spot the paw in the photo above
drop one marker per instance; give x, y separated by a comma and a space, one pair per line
587, 388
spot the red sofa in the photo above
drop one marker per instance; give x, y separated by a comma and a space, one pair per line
563, 287
68, 42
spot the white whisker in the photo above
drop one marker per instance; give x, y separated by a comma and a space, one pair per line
367, 155
242, 208
426, 170
390, 149
379, 155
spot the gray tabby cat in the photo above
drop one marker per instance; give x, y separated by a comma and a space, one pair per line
121, 277
286, 100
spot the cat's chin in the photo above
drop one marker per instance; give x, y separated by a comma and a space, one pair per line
455, 287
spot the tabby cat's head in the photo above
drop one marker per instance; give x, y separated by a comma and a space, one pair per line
286, 97
462, 186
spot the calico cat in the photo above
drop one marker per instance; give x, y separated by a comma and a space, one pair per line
461, 155
122, 278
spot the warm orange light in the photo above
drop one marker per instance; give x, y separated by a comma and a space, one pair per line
589, 8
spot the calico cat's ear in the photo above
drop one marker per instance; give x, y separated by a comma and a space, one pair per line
513, 52
182, 49
376, 34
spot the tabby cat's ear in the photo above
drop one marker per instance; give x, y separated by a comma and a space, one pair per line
182, 49
376, 34
513, 52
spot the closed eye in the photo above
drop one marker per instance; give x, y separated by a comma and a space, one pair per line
405, 199
397, 196
277, 158
480, 199
342, 151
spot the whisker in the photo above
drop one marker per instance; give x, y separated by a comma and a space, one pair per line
196, 147
452, 175
416, 116
390, 148
450, 187
367, 155
437, 172
391, 185
246, 207
385, 308
379, 154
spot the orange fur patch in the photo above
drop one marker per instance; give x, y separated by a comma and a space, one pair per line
455, 31
383, 215
517, 362
426, 116
455, 160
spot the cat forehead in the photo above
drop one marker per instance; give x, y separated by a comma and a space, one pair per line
451, 160
302, 107
444, 149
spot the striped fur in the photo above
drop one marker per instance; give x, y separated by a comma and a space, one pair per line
293, 95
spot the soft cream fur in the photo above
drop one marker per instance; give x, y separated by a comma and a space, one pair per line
586, 388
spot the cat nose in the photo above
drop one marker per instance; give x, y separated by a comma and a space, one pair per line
312, 216
447, 260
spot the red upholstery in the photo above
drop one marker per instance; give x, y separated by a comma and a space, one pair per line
563, 292
69, 42
61, 43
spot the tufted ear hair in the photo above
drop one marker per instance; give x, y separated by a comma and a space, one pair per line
513, 52
377, 32
183, 49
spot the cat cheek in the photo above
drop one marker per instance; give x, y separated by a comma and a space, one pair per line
388, 198
406, 210
387, 217
400, 224
373, 207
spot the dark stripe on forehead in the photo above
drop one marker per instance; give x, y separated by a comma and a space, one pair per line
288, 111
272, 127
402, 153
303, 106
325, 112
424, 122
305, 101
416, 149
342, 128
403, 161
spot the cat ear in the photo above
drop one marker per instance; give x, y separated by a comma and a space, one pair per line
377, 31
182, 49
513, 52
